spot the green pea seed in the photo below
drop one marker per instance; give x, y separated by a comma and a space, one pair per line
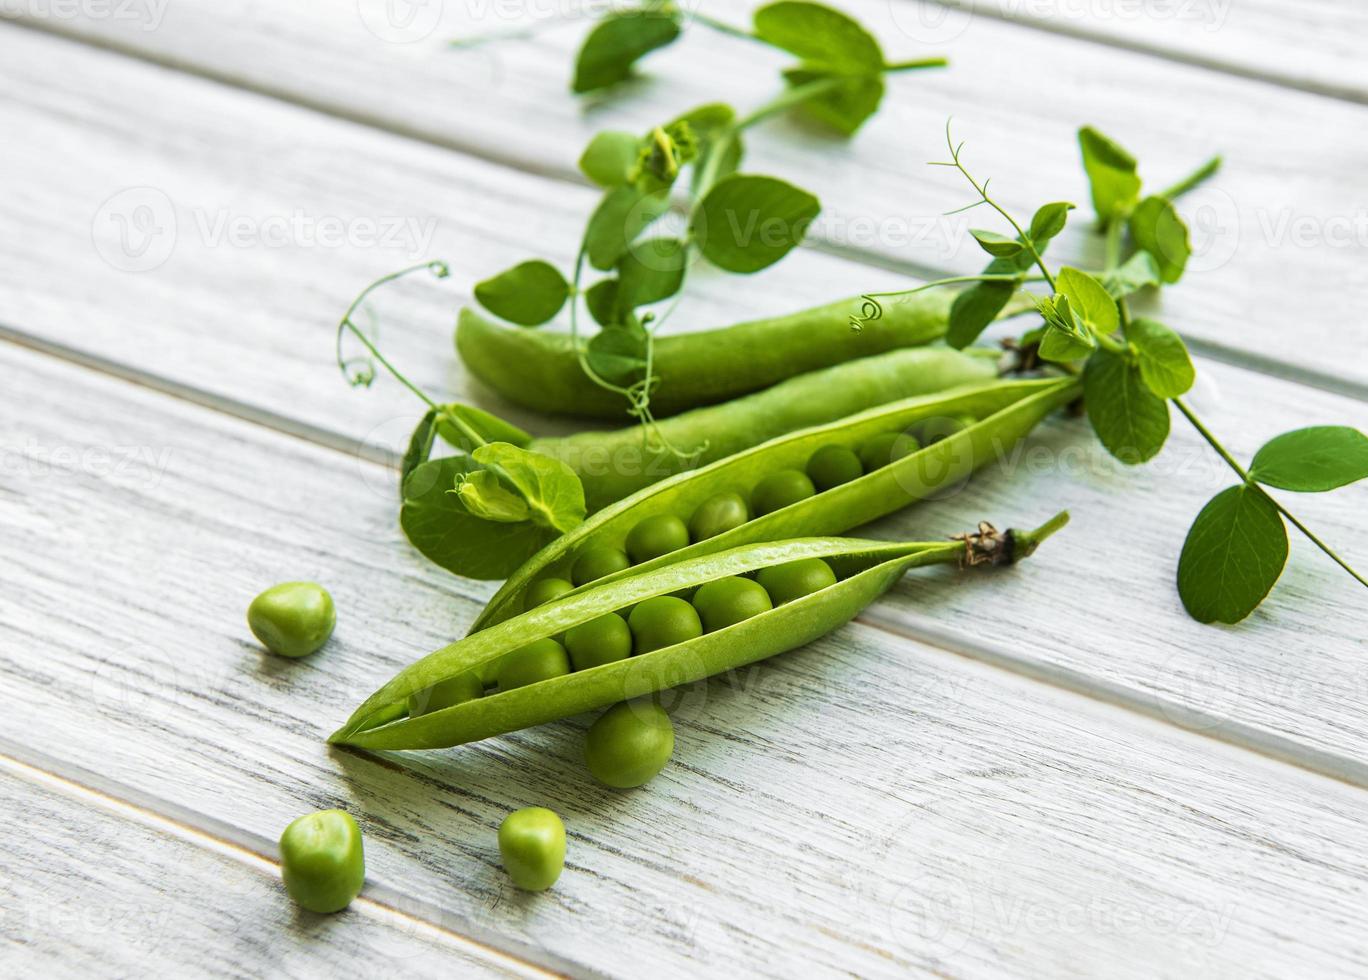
600, 641
595, 563
795, 579
934, 430
663, 621
629, 744
545, 590
532, 845
292, 619
446, 694
540, 660
322, 860
726, 601
885, 448
717, 515
780, 489
831, 466
655, 536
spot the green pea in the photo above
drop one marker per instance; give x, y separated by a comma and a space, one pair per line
540, 660
655, 536
322, 860
831, 466
934, 430
292, 619
599, 641
544, 590
726, 601
663, 621
885, 448
717, 515
532, 845
629, 744
795, 579
595, 563
779, 490
446, 694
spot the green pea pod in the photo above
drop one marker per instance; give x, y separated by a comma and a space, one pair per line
864, 571
540, 369
1005, 410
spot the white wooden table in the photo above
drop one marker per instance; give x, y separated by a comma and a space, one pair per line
1094, 786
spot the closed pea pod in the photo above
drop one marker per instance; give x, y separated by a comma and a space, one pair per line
864, 570
1005, 410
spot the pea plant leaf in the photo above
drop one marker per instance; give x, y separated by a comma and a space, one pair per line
602, 300
651, 271
1137, 272
610, 156
845, 107
551, 490
1111, 175
623, 214
1233, 555
998, 246
1063, 339
819, 35
1163, 358
1049, 221
528, 294
1089, 300
455, 421
1312, 460
746, 223
974, 308
1131, 420
611, 50
419, 445
445, 532
618, 353
1156, 228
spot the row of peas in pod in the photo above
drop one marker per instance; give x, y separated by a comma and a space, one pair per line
660, 534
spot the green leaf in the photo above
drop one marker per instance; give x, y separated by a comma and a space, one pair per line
651, 271
974, 309
1089, 300
746, 223
1064, 339
484, 496
1233, 555
486, 426
845, 107
1312, 460
1164, 361
1156, 228
1131, 420
530, 293
819, 35
602, 300
618, 354
436, 523
419, 446
621, 216
550, 488
612, 48
1111, 173
610, 157
999, 246
1137, 272
1049, 221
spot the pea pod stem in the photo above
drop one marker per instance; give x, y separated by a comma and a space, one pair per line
865, 571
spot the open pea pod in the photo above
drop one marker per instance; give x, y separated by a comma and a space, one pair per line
1004, 412
864, 570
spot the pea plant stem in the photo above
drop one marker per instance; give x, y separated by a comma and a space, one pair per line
1193, 179
916, 64
441, 271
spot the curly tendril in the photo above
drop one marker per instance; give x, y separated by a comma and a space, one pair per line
870, 310
360, 370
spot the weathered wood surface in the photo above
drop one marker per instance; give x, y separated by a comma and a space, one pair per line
1284, 210
868, 804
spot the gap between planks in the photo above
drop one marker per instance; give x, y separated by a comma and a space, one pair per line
1287, 751
378, 901
1219, 353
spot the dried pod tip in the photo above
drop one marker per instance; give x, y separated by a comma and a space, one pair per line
990, 546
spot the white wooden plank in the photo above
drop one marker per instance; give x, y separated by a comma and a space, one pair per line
95, 887
866, 805
1279, 236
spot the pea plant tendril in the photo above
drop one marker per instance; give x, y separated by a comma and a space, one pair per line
1132, 368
